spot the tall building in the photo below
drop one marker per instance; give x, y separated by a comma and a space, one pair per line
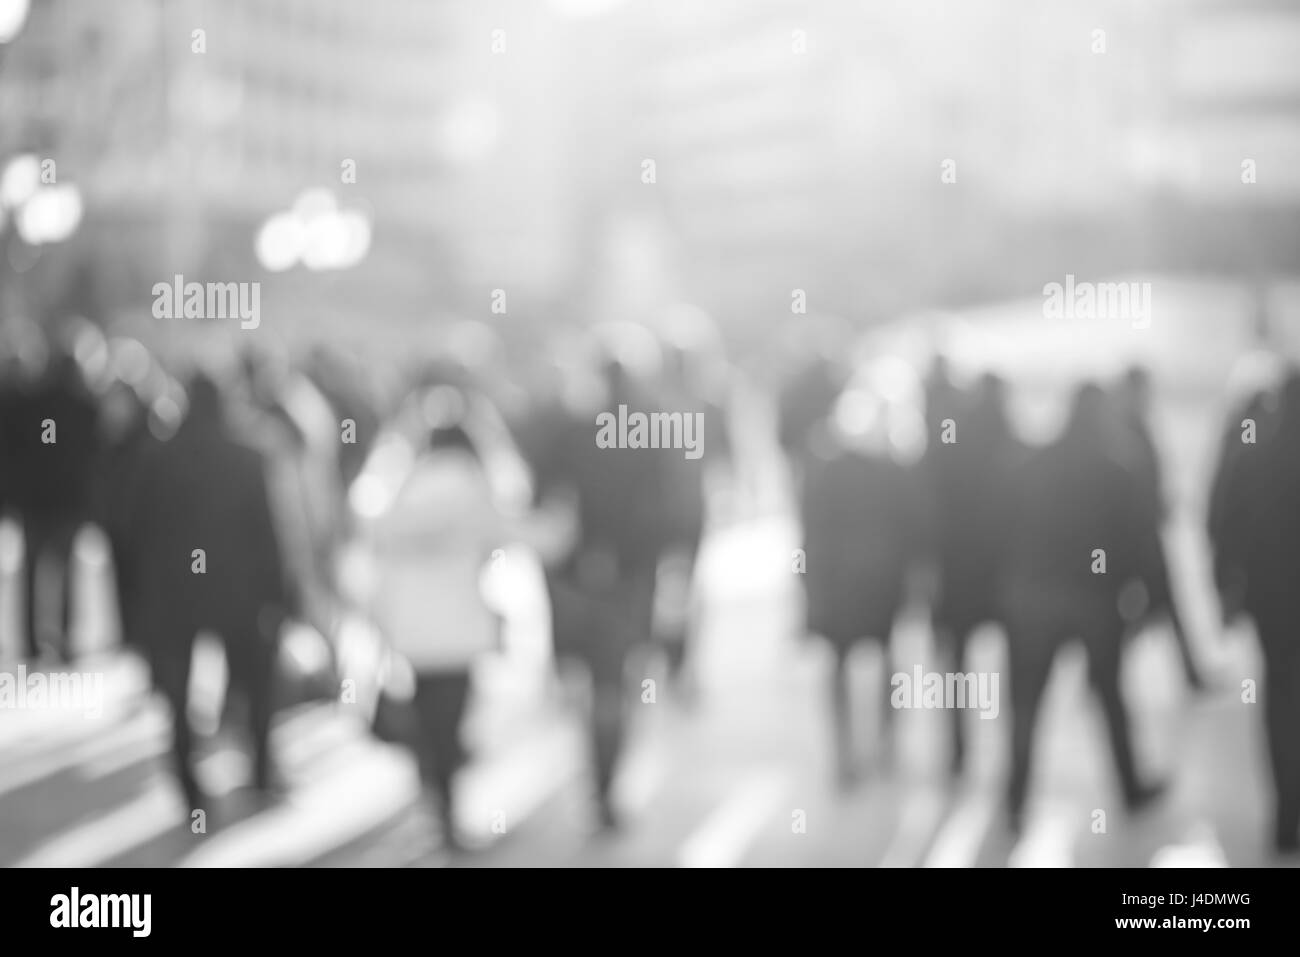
872, 155
187, 123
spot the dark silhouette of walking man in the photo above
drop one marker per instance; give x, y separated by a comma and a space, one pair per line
1075, 543
211, 563
1255, 533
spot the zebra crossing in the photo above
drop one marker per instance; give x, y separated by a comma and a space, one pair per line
742, 779
100, 794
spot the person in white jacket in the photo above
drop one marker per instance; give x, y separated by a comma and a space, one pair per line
429, 547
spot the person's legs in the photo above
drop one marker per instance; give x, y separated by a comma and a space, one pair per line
440, 701
842, 717
958, 641
62, 539
35, 534
261, 686
251, 660
425, 705
678, 636
1103, 634
1281, 714
122, 591
448, 692
1162, 607
171, 666
889, 714
1191, 669
608, 730
1033, 636
585, 642
624, 627
1164, 604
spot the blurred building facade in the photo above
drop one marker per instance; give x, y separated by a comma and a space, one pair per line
504, 146
186, 124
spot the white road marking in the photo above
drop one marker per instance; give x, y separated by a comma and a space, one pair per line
512, 786
958, 841
154, 811
922, 810
315, 820
21, 770
1049, 836
1200, 848
724, 836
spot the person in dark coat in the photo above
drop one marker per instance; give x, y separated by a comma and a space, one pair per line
1225, 518
14, 383
942, 397
972, 512
857, 507
1138, 447
23, 355
1255, 533
602, 593
943, 403
1076, 541
687, 387
212, 562
129, 430
54, 449
805, 402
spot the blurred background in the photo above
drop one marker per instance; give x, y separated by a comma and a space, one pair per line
463, 196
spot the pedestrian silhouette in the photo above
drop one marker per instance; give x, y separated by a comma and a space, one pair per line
859, 533
1137, 448
1075, 542
205, 490
972, 503
602, 592
1255, 533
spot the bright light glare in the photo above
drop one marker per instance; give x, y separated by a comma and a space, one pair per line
280, 242
13, 13
316, 233
356, 230
326, 241
893, 378
314, 202
336, 240
20, 180
51, 215
857, 413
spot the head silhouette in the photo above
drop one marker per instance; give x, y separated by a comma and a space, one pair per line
1089, 414
204, 397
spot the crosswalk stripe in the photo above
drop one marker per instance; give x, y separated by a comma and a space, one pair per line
921, 814
722, 839
349, 789
1049, 835
1200, 848
958, 841
314, 820
117, 759
517, 782
643, 775
26, 732
150, 813
112, 832
297, 741
21, 770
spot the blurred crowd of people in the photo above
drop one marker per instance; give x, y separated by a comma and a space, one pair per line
1052, 544
236, 489
253, 496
